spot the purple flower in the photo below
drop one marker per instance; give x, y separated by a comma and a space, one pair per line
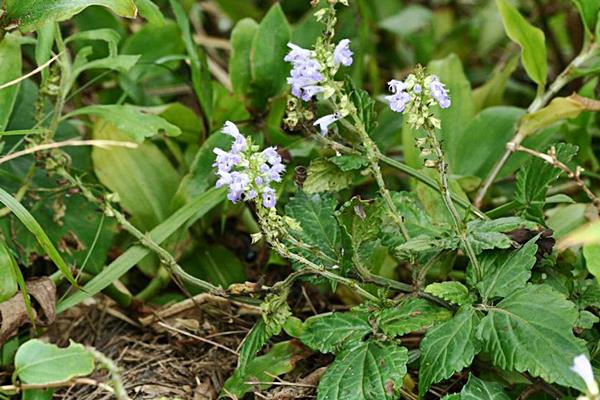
398, 101
439, 92
417, 89
305, 75
239, 143
238, 185
396, 86
271, 155
225, 161
269, 199
325, 121
342, 55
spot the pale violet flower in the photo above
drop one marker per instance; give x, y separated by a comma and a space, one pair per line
325, 121
583, 368
439, 93
398, 101
246, 172
305, 75
342, 55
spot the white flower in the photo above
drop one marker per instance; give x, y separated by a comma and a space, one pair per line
325, 121
583, 368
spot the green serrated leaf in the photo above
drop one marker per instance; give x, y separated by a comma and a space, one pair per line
586, 320
591, 253
325, 176
505, 271
410, 316
534, 179
454, 292
351, 162
490, 234
532, 330
477, 389
42, 363
366, 371
448, 348
332, 332
531, 40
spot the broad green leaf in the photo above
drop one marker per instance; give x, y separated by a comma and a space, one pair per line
586, 320
477, 389
143, 177
130, 120
330, 333
253, 342
484, 140
189, 213
30, 14
505, 271
491, 93
589, 10
320, 228
8, 279
237, 10
560, 108
532, 330
409, 20
448, 348
201, 175
38, 394
269, 47
453, 292
325, 176
365, 371
42, 363
281, 359
531, 40
201, 77
450, 71
591, 253
410, 316
43, 47
490, 234
239, 63
34, 227
150, 11
10, 69
534, 179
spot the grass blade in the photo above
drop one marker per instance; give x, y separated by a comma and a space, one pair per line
195, 208
34, 227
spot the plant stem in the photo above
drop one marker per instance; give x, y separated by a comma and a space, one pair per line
459, 225
538, 103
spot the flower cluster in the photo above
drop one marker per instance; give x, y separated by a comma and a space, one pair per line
416, 95
306, 74
583, 368
246, 171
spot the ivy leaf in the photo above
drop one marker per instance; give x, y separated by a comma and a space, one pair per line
534, 179
331, 332
453, 292
42, 363
320, 228
448, 348
505, 271
411, 315
325, 176
531, 40
366, 371
532, 330
477, 389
